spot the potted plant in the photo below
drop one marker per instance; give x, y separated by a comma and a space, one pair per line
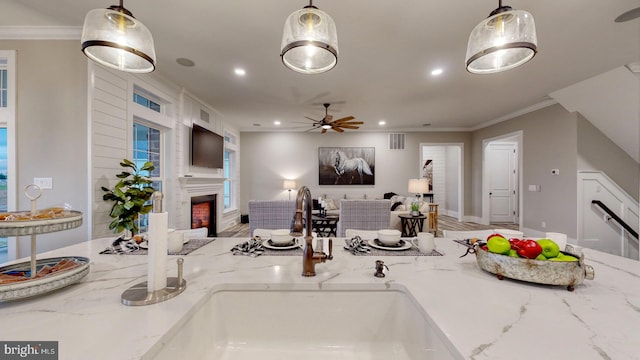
415, 208
130, 196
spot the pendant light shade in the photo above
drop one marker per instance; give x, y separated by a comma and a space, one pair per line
309, 41
114, 38
504, 40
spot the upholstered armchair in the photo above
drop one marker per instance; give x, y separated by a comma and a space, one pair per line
364, 215
271, 214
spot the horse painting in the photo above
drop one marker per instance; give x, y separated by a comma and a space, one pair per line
346, 165
343, 165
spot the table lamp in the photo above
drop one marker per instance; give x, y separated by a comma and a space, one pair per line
418, 187
289, 185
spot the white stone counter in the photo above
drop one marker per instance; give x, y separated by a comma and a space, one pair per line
484, 318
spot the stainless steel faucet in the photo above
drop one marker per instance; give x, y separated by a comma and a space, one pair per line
309, 257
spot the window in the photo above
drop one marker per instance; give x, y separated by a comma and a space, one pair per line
144, 101
230, 171
147, 146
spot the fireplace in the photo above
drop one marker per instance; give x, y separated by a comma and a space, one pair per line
203, 213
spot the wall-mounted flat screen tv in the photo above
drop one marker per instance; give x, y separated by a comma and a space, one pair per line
207, 148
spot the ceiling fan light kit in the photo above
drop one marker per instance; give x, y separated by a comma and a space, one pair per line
114, 38
504, 40
309, 41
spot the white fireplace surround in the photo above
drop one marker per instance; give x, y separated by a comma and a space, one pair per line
190, 187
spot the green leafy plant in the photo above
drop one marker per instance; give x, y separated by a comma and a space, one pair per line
415, 206
129, 196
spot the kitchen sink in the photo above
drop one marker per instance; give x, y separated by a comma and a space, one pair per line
307, 324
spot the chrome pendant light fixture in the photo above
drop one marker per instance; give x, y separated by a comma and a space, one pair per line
116, 39
309, 41
503, 41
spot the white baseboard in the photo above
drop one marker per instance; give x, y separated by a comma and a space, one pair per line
475, 219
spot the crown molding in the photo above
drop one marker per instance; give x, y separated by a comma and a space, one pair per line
40, 32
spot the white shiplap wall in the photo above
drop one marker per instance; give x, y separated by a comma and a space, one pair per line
437, 154
109, 137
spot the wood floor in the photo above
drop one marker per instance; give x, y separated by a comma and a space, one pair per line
444, 223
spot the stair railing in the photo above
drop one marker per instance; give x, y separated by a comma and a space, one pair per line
615, 217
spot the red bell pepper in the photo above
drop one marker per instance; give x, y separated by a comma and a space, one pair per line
529, 249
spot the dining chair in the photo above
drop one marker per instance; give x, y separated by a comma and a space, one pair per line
270, 214
364, 234
198, 233
467, 234
364, 215
509, 234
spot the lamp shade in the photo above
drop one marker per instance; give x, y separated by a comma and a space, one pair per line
289, 184
114, 38
418, 186
309, 41
504, 40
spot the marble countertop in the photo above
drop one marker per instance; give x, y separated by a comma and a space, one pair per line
484, 318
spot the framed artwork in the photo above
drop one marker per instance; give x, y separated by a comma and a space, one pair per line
346, 165
427, 173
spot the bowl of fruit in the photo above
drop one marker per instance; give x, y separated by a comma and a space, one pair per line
538, 261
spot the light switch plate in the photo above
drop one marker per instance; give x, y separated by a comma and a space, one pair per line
45, 183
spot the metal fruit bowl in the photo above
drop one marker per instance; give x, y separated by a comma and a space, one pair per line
547, 272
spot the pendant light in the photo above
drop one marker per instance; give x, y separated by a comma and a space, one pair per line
504, 40
114, 38
309, 41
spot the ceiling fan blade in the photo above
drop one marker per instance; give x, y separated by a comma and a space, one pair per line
349, 127
323, 131
629, 15
314, 120
337, 129
328, 118
351, 123
345, 119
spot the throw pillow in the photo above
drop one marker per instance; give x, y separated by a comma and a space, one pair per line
331, 205
388, 195
395, 205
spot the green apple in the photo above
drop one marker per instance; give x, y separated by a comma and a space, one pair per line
541, 257
498, 245
567, 258
513, 253
549, 248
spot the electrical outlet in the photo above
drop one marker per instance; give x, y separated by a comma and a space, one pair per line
44, 183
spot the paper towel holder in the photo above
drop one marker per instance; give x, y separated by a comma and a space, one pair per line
139, 295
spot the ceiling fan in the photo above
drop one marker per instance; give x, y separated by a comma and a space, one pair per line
337, 125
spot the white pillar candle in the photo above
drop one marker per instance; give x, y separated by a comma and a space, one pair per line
157, 257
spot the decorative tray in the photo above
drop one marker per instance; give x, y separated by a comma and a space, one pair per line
568, 273
72, 269
66, 220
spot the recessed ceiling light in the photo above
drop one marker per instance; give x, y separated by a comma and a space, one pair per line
436, 72
185, 62
239, 72
277, 122
382, 122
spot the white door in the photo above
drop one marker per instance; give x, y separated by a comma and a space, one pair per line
502, 164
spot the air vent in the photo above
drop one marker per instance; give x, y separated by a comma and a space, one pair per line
204, 116
396, 141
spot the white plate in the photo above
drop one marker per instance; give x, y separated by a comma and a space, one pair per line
404, 245
267, 244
